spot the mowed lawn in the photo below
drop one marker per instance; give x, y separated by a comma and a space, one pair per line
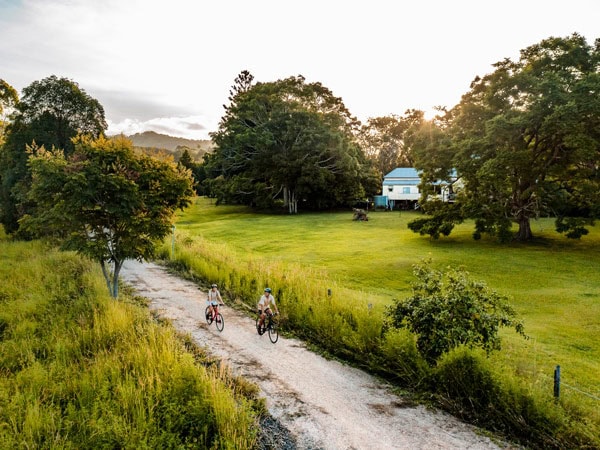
553, 283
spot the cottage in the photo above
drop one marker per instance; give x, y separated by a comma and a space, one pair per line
401, 189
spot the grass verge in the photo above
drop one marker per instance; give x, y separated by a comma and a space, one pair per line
80, 370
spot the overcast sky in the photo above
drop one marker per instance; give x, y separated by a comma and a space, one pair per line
168, 65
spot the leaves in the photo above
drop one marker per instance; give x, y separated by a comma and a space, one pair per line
285, 141
105, 201
525, 141
51, 113
448, 310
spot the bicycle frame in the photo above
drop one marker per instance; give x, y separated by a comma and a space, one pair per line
215, 316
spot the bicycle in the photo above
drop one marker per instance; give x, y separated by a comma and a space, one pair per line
270, 325
210, 318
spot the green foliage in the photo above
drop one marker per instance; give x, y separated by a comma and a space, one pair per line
440, 220
448, 310
80, 371
525, 141
8, 100
574, 227
51, 112
386, 140
286, 142
105, 201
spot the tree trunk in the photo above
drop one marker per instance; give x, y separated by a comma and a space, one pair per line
293, 203
524, 233
112, 277
106, 273
115, 291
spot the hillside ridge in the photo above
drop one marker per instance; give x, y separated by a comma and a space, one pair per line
157, 140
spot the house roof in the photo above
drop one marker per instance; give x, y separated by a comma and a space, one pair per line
409, 176
402, 182
403, 172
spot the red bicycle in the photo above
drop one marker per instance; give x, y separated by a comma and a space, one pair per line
215, 317
270, 325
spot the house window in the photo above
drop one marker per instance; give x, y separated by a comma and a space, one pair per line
406, 190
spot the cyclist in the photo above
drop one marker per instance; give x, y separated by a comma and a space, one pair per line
213, 299
264, 307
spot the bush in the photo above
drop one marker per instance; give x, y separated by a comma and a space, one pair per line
448, 310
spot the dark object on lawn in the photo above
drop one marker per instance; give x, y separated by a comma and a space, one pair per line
360, 214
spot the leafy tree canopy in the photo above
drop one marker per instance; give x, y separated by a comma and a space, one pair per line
105, 201
8, 101
51, 113
525, 141
286, 141
386, 140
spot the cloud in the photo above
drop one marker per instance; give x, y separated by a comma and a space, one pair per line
190, 127
148, 60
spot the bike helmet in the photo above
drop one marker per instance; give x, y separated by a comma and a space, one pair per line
268, 290
213, 285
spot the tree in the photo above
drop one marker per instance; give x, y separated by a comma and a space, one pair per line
51, 113
105, 201
385, 140
8, 101
286, 141
526, 141
447, 310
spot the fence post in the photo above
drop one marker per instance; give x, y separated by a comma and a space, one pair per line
173, 242
557, 382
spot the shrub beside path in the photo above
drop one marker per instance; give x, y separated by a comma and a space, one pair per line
322, 404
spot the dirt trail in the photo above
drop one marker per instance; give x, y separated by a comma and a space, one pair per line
323, 404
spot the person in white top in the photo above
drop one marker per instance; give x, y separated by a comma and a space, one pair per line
213, 299
264, 306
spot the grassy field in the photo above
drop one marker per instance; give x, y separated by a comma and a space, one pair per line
80, 370
553, 283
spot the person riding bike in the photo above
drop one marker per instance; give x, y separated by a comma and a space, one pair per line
213, 299
264, 307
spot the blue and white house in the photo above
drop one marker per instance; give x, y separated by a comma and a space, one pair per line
401, 189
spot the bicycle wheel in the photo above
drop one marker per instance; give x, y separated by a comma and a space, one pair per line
220, 322
273, 331
258, 330
208, 316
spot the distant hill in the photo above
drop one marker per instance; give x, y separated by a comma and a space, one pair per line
157, 140
151, 142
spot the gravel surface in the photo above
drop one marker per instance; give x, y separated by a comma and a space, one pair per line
314, 403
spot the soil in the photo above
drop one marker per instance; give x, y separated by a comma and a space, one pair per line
315, 403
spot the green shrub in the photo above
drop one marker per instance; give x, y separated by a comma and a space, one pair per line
448, 310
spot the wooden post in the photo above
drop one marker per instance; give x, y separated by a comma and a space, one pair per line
173, 242
557, 382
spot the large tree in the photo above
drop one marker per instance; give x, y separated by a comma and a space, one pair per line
8, 101
105, 201
386, 140
286, 141
526, 141
51, 113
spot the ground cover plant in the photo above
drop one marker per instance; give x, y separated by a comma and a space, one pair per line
353, 270
81, 370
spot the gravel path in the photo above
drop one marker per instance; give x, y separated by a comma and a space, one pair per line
315, 403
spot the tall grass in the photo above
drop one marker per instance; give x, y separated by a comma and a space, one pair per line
364, 265
80, 370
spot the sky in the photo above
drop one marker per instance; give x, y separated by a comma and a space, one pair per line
168, 66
